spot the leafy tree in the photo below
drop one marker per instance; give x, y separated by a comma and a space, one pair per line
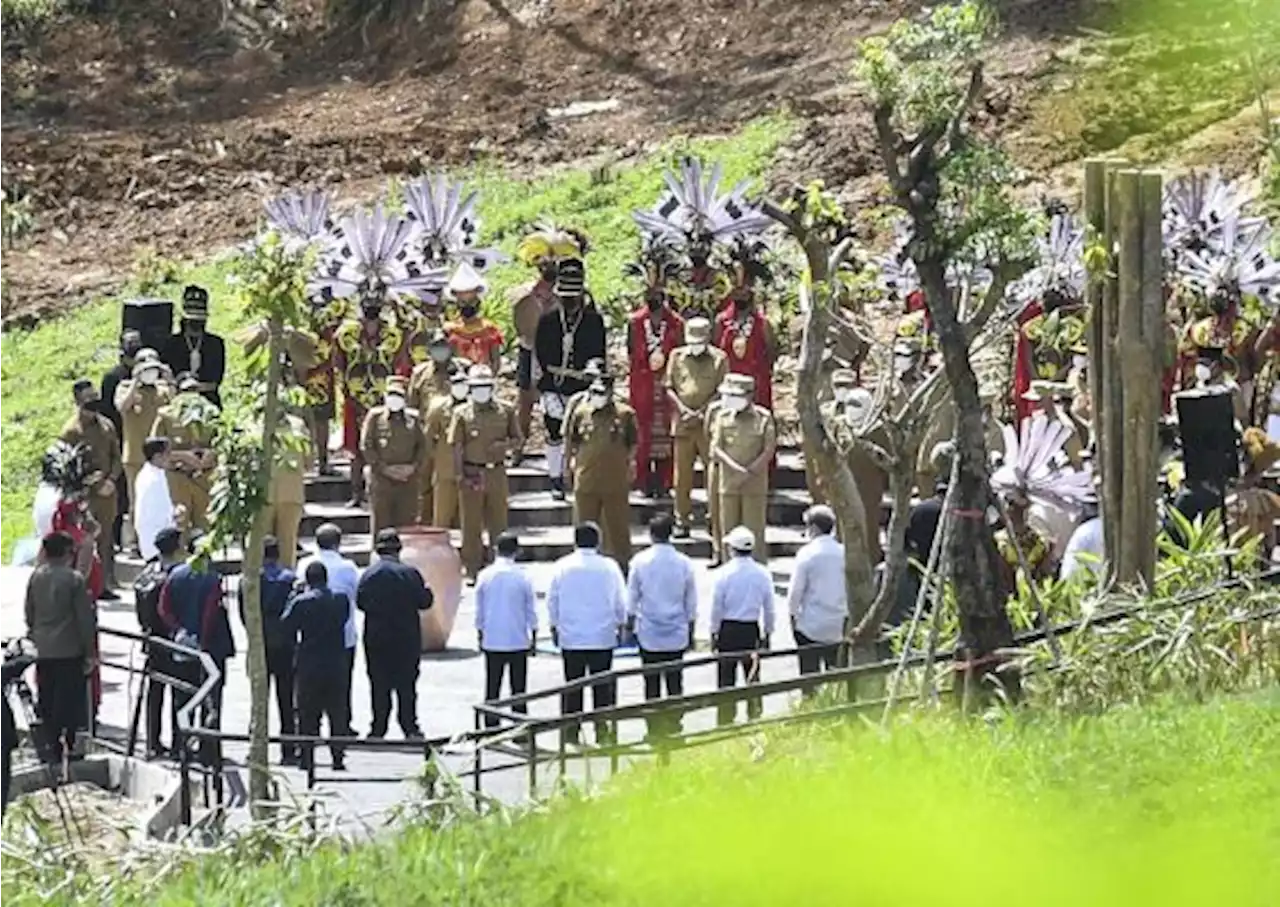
253, 439
924, 78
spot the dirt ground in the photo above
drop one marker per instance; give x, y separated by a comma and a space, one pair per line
154, 133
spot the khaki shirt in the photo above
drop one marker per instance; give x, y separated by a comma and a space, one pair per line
694, 380
288, 475
138, 418
187, 421
744, 437
393, 439
99, 436
484, 435
600, 443
428, 380
435, 427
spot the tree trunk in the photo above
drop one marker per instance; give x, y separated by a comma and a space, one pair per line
975, 563
259, 728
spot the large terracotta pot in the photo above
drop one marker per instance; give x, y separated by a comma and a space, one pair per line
429, 549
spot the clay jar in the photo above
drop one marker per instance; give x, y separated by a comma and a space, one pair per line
429, 549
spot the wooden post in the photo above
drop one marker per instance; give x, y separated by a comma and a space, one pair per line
1153, 334
1095, 211
1126, 207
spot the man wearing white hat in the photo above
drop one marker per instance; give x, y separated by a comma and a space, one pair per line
741, 600
473, 337
694, 374
483, 433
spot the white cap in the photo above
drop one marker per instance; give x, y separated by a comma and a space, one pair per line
740, 538
480, 374
467, 279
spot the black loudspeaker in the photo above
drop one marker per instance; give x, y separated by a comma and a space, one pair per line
152, 318
1210, 442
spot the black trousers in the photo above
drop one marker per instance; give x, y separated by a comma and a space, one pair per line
669, 720
159, 661
322, 692
393, 671
554, 427
737, 643
823, 658
351, 674
210, 710
513, 664
578, 663
63, 702
280, 673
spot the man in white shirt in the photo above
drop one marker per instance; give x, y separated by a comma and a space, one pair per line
343, 577
587, 607
816, 598
506, 622
152, 506
662, 606
742, 598
1087, 540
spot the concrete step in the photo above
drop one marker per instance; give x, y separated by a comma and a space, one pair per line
531, 476
540, 509
537, 544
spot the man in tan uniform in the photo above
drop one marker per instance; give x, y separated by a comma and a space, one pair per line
98, 435
483, 433
839, 416
188, 421
712, 473
395, 447
694, 374
287, 489
138, 399
743, 438
440, 490
431, 379
600, 443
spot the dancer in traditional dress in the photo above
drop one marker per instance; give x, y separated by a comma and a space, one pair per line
653, 332
741, 329
473, 337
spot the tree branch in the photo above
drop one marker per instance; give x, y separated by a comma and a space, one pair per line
785, 220
955, 129
890, 141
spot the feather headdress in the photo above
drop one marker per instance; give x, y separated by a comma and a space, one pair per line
300, 216
370, 255
1061, 266
547, 240
657, 263
65, 466
694, 211
1240, 262
1032, 469
1197, 206
445, 223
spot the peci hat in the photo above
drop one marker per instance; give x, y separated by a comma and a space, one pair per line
388, 540
697, 330
195, 303
844, 377
480, 374
571, 277
466, 279
740, 538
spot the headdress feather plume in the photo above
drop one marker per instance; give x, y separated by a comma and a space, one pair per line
1031, 465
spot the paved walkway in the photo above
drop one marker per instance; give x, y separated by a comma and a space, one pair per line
449, 685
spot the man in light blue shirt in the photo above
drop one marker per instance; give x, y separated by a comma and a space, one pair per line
662, 607
587, 607
506, 622
344, 577
817, 597
741, 600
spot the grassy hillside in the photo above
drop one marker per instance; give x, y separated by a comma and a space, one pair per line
39, 365
1172, 805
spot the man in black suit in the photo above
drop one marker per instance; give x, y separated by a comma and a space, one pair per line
193, 349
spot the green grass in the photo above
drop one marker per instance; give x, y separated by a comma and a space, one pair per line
1166, 805
39, 366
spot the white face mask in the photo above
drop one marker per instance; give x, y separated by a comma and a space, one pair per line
597, 399
482, 393
842, 394
150, 376
1079, 361
734, 403
459, 390
1202, 373
395, 403
697, 348
902, 365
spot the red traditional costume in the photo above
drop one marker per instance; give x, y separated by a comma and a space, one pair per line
365, 356
651, 344
746, 344
1024, 370
479, 342
68, 518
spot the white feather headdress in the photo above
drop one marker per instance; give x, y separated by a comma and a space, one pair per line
300, 216
370, 255
1197, 206
694, 210
1240, 260
1061, 264
445, 225
1033, 466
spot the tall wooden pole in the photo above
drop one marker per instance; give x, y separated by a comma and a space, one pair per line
1147, 436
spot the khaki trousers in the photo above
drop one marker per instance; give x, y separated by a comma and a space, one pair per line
483, 509
193, 494
393, 504
131, 471
688, 450
713, 509
103, 510
282, 521
613, 512
745, 510
440, 495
